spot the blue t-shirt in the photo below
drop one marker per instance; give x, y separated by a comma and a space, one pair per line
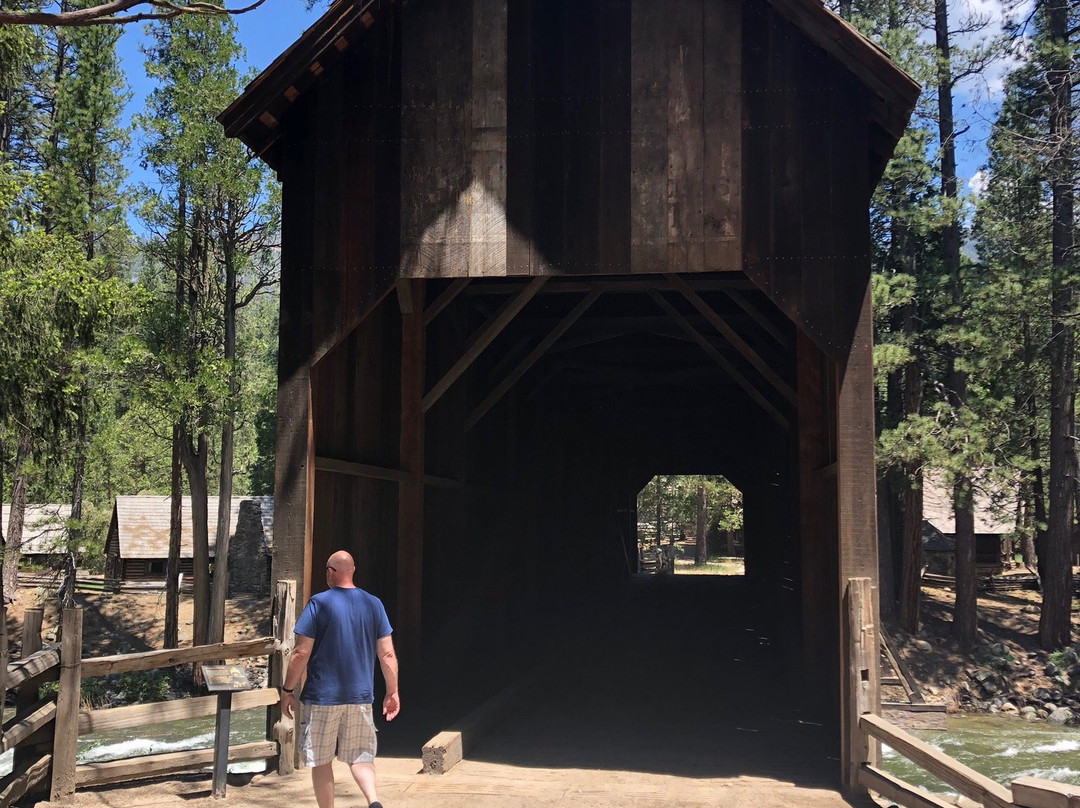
345, 625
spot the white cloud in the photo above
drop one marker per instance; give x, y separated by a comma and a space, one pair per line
977, 184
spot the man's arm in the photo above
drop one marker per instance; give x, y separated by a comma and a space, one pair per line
389, 664
298, 661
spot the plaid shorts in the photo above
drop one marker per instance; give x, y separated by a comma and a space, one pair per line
347, 730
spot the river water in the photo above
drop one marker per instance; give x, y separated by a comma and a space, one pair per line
171, 736
1000, 747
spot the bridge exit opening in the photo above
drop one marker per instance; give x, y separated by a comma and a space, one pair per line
690, 524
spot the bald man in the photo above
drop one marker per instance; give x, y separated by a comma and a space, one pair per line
340, 634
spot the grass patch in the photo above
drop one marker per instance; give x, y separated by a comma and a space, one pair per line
716, 566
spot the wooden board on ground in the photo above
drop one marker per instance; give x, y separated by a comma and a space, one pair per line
909, 719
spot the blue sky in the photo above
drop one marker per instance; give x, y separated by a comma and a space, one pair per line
264, 33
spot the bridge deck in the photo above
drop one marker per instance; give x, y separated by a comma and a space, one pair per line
673, 694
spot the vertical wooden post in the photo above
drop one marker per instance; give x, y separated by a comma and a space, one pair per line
857, 509
279, 728
27, 694
862, 675
411, 490
67, 707
31, 631
4, 652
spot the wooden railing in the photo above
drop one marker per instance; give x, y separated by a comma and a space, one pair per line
1024, 792
44, 732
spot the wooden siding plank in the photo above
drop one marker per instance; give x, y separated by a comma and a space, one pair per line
521, 138
613, 46
685, 138
293, 436
722, 225
410, 500
648, 137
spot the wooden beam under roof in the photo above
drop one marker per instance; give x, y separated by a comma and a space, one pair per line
721, 360
533, 357
495, 327
748, 353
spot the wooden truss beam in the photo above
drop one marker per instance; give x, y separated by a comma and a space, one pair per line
758, 317
748, 353
720, 359
620, 286
494, 327
445, 299
533, 357
335, 466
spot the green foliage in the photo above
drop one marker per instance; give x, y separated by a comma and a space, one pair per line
677, 498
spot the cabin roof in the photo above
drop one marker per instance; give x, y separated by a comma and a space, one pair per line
938, 508
255, 116
142, 524
44, 528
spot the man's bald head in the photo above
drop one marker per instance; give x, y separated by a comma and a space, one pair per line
339, 569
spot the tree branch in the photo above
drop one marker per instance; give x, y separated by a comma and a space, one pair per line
112, 13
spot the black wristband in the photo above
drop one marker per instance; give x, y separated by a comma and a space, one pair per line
287, 690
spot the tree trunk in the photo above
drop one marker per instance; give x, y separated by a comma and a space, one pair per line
965, 618
172, 568
1054, 620
225, 485
194, 458
701, 551
75, 532
911, 586
3, 540
730, 543
965, 614
16, 518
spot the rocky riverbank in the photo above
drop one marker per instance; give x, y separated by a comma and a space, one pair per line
1006, 672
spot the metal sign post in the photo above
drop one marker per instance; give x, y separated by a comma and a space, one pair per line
223, 680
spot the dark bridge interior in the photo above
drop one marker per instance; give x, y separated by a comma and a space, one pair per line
529, 533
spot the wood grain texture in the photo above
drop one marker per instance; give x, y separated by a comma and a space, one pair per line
964, 779
66, 726
151, 660
116, 771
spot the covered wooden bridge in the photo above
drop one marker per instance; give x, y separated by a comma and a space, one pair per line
534, 253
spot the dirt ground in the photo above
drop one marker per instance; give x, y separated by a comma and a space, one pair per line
124, 623
1008, 646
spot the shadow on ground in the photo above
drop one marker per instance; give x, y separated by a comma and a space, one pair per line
674, 676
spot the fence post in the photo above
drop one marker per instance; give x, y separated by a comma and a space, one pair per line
279, 728
27, 694
66, 729
862, 677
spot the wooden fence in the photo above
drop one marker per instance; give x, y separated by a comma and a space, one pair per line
865, 771
93, 583
44, 732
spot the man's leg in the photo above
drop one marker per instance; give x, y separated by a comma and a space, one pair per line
322, 780
364, 775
